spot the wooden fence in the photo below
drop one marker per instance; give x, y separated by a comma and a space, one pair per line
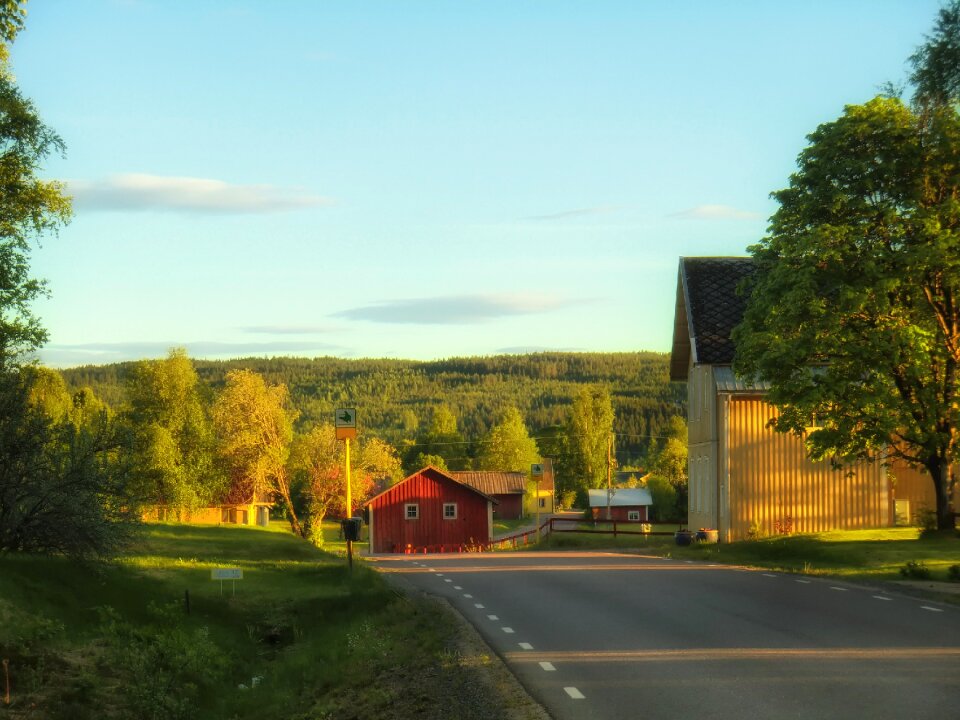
552, 525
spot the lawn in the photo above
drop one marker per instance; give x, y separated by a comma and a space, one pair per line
861, 555
150, 635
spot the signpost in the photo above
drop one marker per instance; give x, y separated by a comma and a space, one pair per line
222, 574
536, 471
345, 422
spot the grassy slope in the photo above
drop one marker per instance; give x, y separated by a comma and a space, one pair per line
862, 555
322, 643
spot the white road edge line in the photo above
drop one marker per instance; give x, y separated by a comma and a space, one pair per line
881, 597
931, 609
574, 693
803, 582
768, 575
838, 589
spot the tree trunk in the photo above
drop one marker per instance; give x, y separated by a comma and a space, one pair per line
939, 469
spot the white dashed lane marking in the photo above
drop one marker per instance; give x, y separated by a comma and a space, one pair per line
525, 646
573, 693
881, 597
507, 630
803, 582
492, 617
838, 589
931, 609
768, 575
478, 606
548, 667
447, 580
457, 587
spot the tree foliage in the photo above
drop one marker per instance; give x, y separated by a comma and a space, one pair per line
173, 442
936, 63
854, 310
668, 482
254, 427
589, 432
508, 445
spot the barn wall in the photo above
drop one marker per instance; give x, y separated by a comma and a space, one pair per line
620, 514
771, 479
510, 507
392, 532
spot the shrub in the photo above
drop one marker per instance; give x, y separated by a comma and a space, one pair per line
953, 573
915, 570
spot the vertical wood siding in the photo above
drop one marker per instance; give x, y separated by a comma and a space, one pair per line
771, 479
510, 507
392, 532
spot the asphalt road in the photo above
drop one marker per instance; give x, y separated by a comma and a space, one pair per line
608, 635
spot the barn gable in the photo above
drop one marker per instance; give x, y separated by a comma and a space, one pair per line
429, 511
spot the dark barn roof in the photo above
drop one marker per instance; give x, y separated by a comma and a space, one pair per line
708, 309
491, 482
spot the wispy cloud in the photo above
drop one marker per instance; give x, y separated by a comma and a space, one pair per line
715, 212
287, 329
580, 212
454, 310
528, 349
140, 191
65, 355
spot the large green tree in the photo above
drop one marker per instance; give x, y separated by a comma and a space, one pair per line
588, 437
508, 445
254, 426
173, 442
854, 309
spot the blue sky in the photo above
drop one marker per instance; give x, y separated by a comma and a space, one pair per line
421, 179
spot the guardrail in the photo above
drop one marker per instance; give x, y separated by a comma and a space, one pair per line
524, 538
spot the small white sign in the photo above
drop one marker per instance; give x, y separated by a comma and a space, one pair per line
226, 574
345, 418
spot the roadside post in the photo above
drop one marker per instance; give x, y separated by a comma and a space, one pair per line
536, 472
345, 422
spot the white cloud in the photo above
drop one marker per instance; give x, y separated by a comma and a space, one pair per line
580, 212
66, 355
454, 310
716, 212
141, 191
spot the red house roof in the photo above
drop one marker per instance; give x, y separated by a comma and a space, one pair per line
441, 473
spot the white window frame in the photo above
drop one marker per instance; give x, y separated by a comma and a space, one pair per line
415, 507
447, 506
633, 516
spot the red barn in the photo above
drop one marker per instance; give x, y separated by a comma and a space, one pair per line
507, 488
429, 511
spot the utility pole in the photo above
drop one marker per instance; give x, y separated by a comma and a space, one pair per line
609, 474
345, 422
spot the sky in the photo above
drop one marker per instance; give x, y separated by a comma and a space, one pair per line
422, 180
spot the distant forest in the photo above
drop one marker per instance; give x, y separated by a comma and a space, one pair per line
395, 399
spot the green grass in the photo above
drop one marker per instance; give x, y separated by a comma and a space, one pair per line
113, 639
860, 555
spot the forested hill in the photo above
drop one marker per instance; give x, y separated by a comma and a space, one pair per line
396, 397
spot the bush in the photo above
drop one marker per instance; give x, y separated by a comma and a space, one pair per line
953, 573
915, 570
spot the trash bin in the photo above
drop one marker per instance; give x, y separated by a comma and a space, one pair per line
351, 528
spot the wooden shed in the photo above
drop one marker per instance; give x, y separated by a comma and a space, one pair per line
744, 476
429, 511
507, 488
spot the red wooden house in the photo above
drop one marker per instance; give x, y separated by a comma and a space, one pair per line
429, 512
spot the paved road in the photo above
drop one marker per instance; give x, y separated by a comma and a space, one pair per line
607, 635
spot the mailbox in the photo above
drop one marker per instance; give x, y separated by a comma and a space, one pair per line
351, 528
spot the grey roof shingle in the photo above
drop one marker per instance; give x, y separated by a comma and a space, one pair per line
708, 300
492, 482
